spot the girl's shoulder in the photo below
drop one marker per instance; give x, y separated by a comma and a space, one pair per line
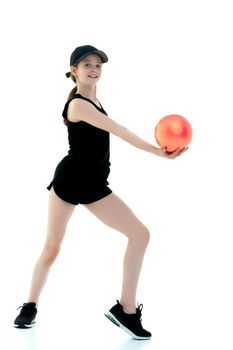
78, 96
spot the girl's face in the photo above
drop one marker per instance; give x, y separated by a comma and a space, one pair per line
89, 70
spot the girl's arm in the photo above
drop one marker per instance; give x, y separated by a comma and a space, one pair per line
81, 110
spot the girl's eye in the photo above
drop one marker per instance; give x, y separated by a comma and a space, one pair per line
88, 65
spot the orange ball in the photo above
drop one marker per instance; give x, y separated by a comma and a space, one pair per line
173, 131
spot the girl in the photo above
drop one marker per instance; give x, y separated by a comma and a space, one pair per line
81, 178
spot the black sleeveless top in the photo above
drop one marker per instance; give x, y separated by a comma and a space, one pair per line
89, 146
81, 174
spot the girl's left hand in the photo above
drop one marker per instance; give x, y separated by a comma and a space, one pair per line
175, 154
162, 152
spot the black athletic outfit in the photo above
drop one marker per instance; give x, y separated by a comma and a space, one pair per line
81, 176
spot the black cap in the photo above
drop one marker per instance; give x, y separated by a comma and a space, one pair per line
82, 51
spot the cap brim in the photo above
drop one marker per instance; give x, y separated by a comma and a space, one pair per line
102, 55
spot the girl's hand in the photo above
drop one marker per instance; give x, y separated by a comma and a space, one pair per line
162, 152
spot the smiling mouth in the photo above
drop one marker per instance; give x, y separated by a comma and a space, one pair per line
92, 76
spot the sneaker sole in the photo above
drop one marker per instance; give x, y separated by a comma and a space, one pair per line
114, 320
24, 326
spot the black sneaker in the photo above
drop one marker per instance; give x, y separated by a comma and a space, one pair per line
26, 317
131, 323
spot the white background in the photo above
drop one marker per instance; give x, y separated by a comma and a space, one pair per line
164, 57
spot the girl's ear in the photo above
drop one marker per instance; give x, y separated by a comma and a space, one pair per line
73, 70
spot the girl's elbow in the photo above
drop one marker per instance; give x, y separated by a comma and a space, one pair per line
122, 132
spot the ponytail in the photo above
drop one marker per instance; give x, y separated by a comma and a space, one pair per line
74, 90
71, 95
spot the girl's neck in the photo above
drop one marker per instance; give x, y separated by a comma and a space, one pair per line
88, 93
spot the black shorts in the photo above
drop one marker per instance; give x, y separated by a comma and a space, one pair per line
86, 196
76, 189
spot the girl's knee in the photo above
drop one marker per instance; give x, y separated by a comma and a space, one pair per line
141, 236
50, 254
146, 235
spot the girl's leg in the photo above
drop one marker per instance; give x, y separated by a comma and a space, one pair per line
112, 211
59, 213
